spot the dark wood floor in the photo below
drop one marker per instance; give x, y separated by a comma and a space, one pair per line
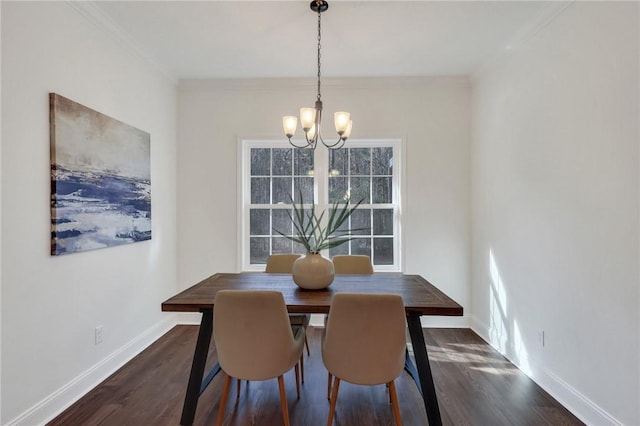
475, 386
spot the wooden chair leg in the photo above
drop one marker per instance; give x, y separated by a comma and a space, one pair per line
394, 401
334, 399
283, 401
306, 343
223, 400
297, 380
302, 366
329, 378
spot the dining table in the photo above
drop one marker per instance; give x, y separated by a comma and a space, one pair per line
420, 297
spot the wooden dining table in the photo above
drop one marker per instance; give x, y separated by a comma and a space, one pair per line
420, 298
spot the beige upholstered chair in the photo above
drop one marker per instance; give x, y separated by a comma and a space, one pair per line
364, 343
255, 341
283, 263
352, 264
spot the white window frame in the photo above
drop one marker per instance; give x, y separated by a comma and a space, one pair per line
320, 191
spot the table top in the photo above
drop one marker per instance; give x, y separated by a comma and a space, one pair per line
419, 295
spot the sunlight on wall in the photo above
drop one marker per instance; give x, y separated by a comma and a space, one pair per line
498, 331
497, 308
521, 357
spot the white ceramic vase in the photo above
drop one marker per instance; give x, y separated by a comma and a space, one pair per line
313, 271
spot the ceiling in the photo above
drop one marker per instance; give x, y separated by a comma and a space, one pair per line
266, 39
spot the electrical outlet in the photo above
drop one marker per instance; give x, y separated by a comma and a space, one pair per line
541, 338
99, 334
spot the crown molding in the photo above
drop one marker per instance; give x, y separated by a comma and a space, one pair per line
364, 83
97, 17
526, 33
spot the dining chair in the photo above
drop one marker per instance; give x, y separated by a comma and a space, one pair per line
352, 264
364, 343
255, 341
283, 263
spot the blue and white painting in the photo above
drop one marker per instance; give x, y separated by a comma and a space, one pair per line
100, 179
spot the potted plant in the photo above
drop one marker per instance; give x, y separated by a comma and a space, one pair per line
317, 232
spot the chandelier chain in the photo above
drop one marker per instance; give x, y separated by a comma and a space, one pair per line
319, 39
312, 117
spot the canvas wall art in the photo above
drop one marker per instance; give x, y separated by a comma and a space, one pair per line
100, 179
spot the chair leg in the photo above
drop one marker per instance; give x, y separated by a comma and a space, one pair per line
297, 368
302, 366
394, 400
334, 399
223, 400
329, 378
283, 401
306, 343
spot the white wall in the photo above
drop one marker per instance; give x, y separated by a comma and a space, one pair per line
50, 305
431, 114
554, 200
555, 214
0, 227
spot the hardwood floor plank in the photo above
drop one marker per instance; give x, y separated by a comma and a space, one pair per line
475, 386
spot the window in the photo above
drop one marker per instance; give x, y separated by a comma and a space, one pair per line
273, 171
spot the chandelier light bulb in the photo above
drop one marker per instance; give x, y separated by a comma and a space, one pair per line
347, 132
311, 133
307, 118
289, 124
341, 120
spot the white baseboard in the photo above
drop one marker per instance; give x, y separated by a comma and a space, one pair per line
444, 322
185, 318
58, 401
317, 320
581, 406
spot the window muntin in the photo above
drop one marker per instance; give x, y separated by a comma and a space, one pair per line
365, 173
368, 170
275, 174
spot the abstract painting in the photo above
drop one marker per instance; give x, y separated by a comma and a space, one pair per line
100, 179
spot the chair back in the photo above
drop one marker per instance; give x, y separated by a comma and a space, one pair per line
281, 263
252, 334
364, 340
352, 264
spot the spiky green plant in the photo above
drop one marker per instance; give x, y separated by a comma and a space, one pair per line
312, 233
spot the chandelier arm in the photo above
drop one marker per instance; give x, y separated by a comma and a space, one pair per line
318, 129
336, 145
309, 144
318, 135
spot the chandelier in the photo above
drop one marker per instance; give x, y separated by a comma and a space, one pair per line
310, 118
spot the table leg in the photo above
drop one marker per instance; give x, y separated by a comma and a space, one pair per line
197, 368
424, 370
